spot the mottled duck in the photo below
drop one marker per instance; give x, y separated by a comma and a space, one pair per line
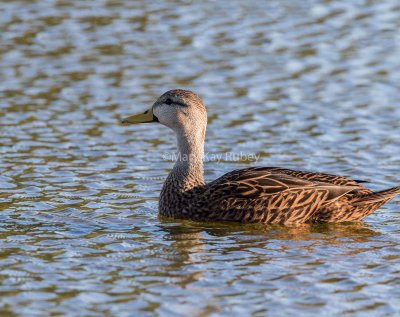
250, 195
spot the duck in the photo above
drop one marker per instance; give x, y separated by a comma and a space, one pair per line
266, 195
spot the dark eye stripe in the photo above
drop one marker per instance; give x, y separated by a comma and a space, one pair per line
170, 102
180, 104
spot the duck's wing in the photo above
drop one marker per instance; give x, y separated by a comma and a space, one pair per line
256, 182
304, 175
317, 177
270, 195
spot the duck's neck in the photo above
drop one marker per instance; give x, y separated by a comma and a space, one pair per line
188, 169
186, 178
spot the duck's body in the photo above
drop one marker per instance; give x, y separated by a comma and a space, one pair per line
251, 195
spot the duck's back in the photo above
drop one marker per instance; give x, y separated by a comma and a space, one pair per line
284, 196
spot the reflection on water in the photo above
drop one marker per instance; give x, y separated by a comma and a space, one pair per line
304, 84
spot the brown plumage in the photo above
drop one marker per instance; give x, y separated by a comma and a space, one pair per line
251, 195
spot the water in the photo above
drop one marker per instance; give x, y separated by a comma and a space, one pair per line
301, 84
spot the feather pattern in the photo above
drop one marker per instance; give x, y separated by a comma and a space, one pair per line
251, 195
276, 195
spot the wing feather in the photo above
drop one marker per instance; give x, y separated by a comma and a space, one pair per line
274, 195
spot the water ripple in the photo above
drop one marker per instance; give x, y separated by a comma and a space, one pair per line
308, 84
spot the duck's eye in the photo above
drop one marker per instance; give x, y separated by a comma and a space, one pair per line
168, 101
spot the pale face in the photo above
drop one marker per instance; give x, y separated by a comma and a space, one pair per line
179, 112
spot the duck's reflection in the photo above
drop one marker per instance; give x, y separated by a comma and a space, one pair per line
196, 244
191, 232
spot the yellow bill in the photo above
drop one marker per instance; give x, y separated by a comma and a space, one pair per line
147, 116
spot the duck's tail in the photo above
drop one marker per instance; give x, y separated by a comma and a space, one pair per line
366, 204
382, 197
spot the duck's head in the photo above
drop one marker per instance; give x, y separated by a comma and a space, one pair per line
180, 110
